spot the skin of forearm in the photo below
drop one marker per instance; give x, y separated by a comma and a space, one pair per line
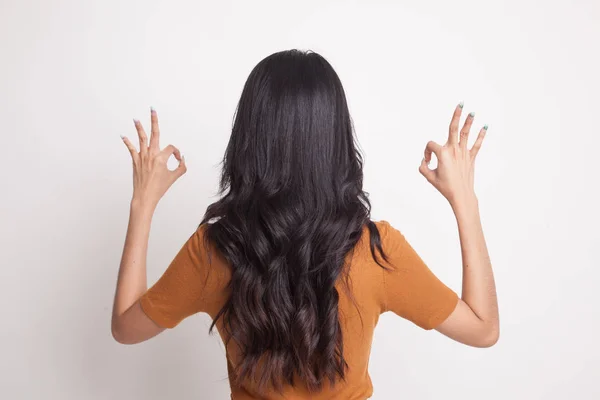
478, 286
132, 282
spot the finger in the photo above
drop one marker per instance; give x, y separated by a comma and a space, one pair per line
171, 150
464, 132
130, 147
181, 168
432, 147
142, 137
428, 173
479, 141
453, 134
154, 132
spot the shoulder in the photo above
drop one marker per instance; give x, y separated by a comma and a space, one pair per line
398, 251
197, 241
388, 234
382, 225
205, 232
381, 235
203, 247
379, 229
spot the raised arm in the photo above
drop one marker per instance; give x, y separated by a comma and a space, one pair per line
475, 320
151, 179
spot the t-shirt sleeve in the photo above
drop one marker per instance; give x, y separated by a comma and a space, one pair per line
411, 289
183, 288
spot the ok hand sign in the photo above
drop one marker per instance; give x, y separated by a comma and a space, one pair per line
151, 177
453, 177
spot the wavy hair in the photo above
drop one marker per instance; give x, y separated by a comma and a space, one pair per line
291, 208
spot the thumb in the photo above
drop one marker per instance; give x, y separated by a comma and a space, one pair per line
428, 173
181, 168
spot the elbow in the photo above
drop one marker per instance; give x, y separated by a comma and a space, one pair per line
491, 337
490, 341
118, 334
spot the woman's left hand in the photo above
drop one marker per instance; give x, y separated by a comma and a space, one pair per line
151, 176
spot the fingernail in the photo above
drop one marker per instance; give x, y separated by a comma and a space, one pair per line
152, 109
472, 114
461, 104
485, 127
122, 137
135, 121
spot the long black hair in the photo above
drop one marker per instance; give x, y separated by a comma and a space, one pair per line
292, 208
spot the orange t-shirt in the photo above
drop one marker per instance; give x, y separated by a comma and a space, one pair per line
191, 285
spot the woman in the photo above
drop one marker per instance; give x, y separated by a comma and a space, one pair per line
288, 263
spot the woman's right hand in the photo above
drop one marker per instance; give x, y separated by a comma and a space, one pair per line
454, 175
475, 319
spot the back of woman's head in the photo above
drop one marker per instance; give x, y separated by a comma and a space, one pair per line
292, 208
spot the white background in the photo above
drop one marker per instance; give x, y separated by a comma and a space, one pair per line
74, 73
